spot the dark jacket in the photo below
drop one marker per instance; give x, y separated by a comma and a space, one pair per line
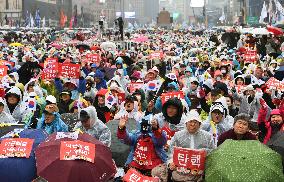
64, 107
230, 134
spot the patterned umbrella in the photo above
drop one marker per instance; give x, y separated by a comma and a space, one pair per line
243, 161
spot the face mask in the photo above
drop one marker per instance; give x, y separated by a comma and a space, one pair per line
223, 71
218, 78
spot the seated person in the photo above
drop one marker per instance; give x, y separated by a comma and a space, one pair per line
50, 120
240, 130
89, 123
191, 137
146, 144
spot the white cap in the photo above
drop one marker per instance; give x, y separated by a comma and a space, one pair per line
156, 69
249, 87
193, 115
51, 99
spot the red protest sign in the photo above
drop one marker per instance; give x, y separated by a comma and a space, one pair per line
120, 98
69, 70
135, 86
3, 70
189, 159
274, 83
134, 176
7, 63
72, 150
50, 60
169, 133
166, 96
157, 55
142, 153
93, 58
16, 147
50, 70
250, 56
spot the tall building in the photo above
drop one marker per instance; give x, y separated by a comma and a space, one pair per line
151, 10
10, 11
50, 9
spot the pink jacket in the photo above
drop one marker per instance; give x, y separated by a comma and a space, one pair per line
262, 118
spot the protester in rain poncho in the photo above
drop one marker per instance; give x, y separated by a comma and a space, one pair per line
89, 123
50, 120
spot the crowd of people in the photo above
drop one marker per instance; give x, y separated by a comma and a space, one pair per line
224, 91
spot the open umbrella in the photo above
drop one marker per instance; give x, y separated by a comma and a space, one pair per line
260, 31
16, 44
108, 46
22, 169
119, 150
243, 161
276, 143
51, 168
275, 30
56, 45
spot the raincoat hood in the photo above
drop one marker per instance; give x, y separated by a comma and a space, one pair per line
173, 102
16, 91
92, 112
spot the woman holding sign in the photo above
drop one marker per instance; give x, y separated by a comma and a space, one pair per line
187, 144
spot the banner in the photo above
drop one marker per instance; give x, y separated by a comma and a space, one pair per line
16, 147
50, 70
3, 70
69, 70
157, 55
188, 159
135, 86
134, 176
169, 133
250, 56
166, 96
72, 150
274, 83
7, 63
93, 58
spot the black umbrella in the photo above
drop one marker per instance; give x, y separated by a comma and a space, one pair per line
276, 143
83, 46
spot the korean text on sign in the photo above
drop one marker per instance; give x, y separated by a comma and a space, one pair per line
50, 70
190, 159
166, 96
72, 150
134, 176
16, 147
3, 70
93, 58
68, 70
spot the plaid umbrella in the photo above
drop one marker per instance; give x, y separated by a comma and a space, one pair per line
243, 161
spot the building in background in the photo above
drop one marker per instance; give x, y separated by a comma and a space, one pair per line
50, 9
10, 12
151, 10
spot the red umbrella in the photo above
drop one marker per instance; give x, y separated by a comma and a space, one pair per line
56, 45
275, 30
51, 168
